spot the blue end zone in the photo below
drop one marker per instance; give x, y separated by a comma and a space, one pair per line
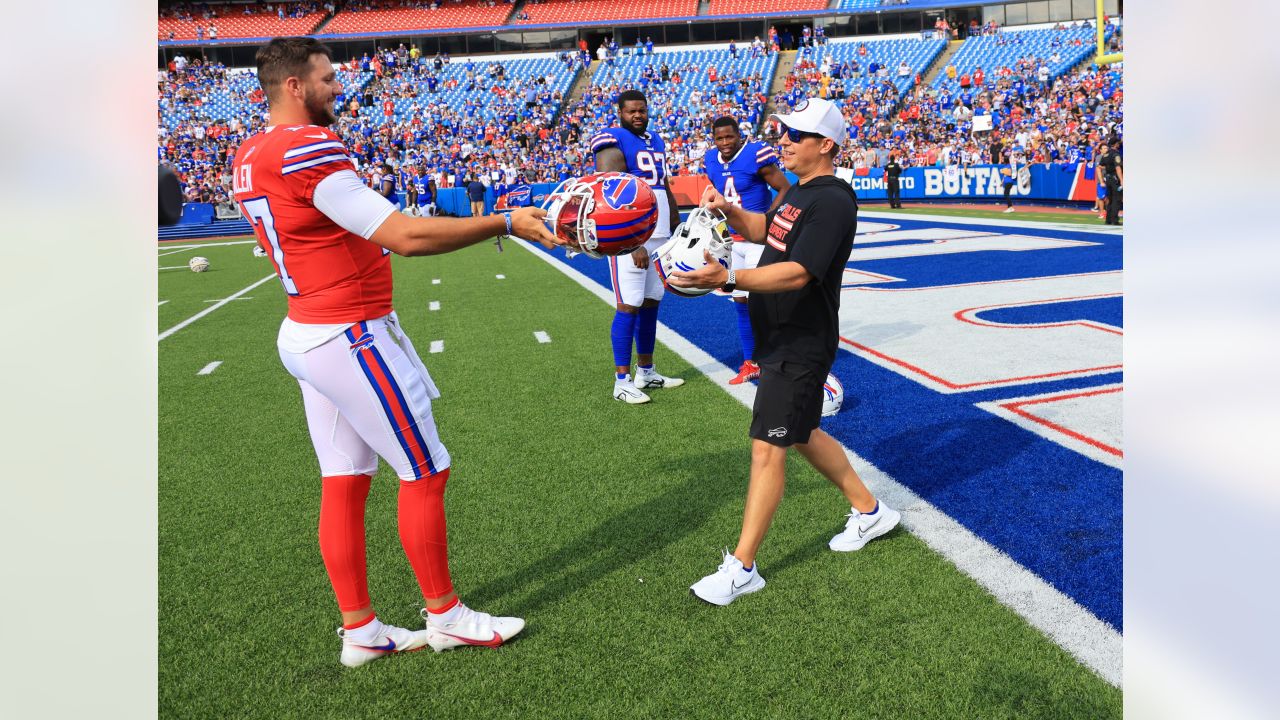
1108, 311
1054, 511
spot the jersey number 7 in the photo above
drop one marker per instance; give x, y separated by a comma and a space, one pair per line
259, 211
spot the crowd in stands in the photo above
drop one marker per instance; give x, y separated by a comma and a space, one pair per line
515, 130
199, 21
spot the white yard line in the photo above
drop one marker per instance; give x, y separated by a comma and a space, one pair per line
433, 305
216, 300
541, 336
435, 281
208, 369
173, 249
997, 222
1072, 627
437, 346
161, 303
211, 308
176, 267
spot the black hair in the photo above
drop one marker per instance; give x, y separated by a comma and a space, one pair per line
627, 96
725, 121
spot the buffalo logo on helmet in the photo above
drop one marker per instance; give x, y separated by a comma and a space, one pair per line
603, 213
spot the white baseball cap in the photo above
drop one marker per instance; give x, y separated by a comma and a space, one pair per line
816, 115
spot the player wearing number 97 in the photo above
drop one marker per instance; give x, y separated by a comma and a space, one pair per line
637, 288
365, 391
743, 172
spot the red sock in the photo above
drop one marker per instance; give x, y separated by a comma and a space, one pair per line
342, 499
422, 533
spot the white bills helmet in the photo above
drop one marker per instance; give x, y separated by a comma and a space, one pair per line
832, 396
705, 230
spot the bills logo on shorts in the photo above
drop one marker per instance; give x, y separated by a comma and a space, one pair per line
362, 342
619, 192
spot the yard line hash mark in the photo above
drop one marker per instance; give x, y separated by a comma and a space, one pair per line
434, 305
210, 309
542, 336
208, 369
437, 346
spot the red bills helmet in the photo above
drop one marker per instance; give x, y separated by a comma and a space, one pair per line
602, 214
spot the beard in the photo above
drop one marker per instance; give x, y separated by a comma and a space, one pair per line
318, 111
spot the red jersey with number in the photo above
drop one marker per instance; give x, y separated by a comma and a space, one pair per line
331, 275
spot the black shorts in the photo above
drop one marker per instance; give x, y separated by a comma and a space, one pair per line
788, 404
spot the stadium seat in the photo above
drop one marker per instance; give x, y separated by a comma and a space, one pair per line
578, 11
765, 7
450, 14
231, 22
1005, 49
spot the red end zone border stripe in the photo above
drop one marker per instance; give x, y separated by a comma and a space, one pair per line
1016, 407
966, 386
966, 315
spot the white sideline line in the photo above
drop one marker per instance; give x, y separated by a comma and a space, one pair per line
437, 346
1094, 643
210, 309
188, 246
433, 305
249, 297
541, 336
173, 249
501, 277
435, 281
161, 303
208, 369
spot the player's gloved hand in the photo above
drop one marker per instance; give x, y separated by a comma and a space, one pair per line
527, 223
713, 200
640, 257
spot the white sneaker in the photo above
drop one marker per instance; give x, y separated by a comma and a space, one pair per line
390, 640
627, 392
728, 582
471, 628
651, 380
861, 529
1008, 210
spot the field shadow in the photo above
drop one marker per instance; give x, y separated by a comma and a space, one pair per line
632, 535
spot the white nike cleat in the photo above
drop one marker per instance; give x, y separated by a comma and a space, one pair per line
1008, 210
728, 582
861, 528
651, 380
627, 392
471, 628
390, 640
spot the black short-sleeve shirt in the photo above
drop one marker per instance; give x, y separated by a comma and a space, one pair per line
813, 225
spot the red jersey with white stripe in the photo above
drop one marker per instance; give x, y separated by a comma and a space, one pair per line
331, 275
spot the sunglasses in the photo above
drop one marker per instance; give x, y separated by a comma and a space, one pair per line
796, 136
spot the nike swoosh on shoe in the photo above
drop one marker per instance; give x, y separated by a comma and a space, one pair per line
862, 533
495, 642
389, 647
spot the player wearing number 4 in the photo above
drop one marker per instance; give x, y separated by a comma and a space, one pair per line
795, 306
743, 172
637, 288
365, 391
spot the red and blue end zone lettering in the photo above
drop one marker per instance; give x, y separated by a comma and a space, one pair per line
1051, 509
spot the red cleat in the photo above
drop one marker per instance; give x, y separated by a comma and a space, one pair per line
748, 371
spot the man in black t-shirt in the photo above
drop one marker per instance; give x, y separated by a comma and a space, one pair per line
893, 180
795, 315
1113, 177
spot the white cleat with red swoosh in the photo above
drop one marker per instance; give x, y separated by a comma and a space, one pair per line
471, 628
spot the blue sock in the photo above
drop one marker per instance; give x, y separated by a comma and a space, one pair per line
875, 509
646, 330
747, 337
623, 327
748, 569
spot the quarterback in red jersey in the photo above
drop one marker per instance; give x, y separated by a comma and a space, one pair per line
365, 390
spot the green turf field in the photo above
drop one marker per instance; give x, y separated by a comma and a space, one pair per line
585, 516
943, 210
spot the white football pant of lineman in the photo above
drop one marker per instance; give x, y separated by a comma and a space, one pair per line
632, 286
745, 256
369, 398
